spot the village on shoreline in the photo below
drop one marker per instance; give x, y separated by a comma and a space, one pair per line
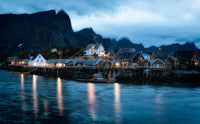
125, 64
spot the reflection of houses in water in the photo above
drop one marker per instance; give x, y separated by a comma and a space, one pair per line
35, 99
117, 105
91, 100
59, 96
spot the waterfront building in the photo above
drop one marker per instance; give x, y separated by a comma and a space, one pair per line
37, 60
156, 64
19, 62
107, 63
86, 62
147, 63
57, 62
187, 58
137, 58
161, 64
95, 49
173, 60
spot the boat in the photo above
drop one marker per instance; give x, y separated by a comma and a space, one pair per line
26, 72
98, 78
92, 80
16, 72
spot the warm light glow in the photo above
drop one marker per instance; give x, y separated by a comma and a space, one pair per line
196, 63
12, 63
91, 100
60, 64
117, 64
117, 102
35, 64
45, 64
59, 96
35, 99
22, 81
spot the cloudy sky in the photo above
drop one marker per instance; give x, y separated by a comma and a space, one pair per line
150, 22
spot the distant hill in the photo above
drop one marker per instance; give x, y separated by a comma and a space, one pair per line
48, 29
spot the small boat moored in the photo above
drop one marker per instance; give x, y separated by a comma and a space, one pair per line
98, 78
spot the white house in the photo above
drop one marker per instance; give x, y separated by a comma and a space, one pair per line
93, 49
37, 60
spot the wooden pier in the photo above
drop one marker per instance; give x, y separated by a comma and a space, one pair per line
125, 75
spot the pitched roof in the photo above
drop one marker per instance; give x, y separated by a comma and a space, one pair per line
150, 60
163, 61
58, 60
126, 55
32, 57
184, 55
91, 62
126, 50
88, 62
174, 58
161, 56
147, 52
137, 56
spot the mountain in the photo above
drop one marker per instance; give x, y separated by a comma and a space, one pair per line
87, 36
170, 49
41, 30
126, 43
48, 29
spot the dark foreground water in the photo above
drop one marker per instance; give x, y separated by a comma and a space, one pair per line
37, 99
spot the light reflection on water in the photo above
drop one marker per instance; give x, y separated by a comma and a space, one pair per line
117, 103
91, 100
22, 92
30, 98
35, 99
59, 96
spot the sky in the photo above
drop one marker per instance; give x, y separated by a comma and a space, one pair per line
150, 22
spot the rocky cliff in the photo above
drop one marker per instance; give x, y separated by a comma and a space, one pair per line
46, 30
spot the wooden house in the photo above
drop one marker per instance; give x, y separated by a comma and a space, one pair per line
173, 60
147, 62
37, 60
187, 58
161, 64
107, 63
139, 57
95, 49
57, 62
157, 64
98, 62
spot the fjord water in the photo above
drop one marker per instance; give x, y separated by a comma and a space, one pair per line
38, 99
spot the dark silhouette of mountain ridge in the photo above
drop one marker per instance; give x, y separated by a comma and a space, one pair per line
48, 29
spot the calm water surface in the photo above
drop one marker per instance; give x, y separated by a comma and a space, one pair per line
37, 99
